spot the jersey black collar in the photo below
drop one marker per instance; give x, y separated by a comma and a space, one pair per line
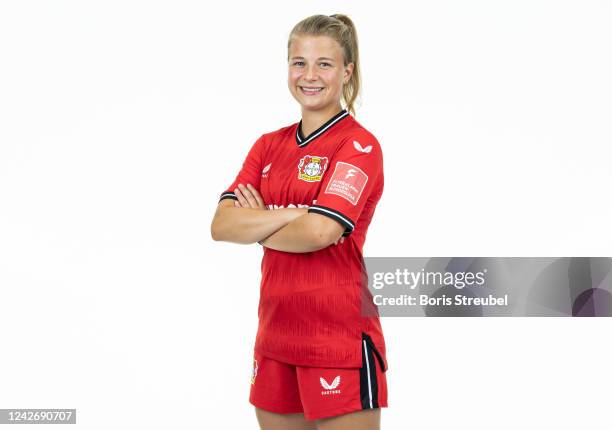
303, 141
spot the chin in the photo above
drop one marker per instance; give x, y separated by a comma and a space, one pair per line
312, 106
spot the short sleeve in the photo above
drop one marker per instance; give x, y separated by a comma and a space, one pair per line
355, 174
250, 173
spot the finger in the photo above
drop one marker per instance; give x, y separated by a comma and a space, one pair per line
241, 199
248, 195
257, 196
237, 204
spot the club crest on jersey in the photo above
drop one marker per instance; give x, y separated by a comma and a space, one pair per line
311, 168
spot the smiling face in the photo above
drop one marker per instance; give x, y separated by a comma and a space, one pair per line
317, 72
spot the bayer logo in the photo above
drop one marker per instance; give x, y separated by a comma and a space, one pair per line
312, 169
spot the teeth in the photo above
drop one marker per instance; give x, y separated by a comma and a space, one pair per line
313, 89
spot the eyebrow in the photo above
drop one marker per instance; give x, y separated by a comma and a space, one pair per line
320, 58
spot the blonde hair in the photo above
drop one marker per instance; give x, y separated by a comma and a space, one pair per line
340, 28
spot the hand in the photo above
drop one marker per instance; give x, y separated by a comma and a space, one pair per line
248, 197
341, 240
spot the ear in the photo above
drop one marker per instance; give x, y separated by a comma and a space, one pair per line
348, 72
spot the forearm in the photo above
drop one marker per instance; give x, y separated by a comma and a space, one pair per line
247, 225
297, 236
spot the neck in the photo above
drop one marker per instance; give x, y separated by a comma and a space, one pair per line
311, 120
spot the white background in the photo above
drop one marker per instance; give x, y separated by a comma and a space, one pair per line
122, 121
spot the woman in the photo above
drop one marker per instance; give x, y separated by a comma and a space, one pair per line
307, 193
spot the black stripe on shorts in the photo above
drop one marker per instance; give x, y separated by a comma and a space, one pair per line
368, 384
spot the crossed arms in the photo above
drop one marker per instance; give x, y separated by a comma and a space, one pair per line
247, 220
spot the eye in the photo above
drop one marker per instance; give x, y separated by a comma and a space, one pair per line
327, 64
298, 62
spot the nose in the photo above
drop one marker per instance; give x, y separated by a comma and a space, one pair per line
310, 73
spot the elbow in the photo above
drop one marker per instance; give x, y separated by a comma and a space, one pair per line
214, 234
215, 231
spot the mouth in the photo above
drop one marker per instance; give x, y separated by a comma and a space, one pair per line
309, 91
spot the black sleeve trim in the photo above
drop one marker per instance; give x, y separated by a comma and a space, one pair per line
335, 215
227, 195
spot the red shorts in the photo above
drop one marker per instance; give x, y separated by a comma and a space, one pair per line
319, 392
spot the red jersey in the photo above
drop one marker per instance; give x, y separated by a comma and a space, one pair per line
310, 303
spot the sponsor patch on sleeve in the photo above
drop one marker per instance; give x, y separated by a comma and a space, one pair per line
347, 181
